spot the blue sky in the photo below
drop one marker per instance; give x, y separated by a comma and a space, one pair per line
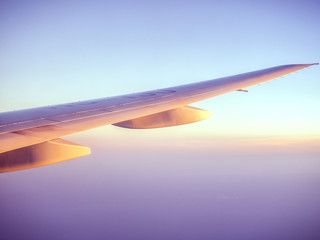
250, 171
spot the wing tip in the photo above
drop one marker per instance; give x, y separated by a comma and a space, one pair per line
310, 64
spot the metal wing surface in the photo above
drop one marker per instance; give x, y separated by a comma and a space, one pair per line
157, 108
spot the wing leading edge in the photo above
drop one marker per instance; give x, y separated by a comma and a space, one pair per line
157, 108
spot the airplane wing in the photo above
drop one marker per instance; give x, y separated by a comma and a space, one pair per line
31, 138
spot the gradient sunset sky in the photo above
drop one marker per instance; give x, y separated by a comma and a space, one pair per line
251, 171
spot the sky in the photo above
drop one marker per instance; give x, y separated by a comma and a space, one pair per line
251, 171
